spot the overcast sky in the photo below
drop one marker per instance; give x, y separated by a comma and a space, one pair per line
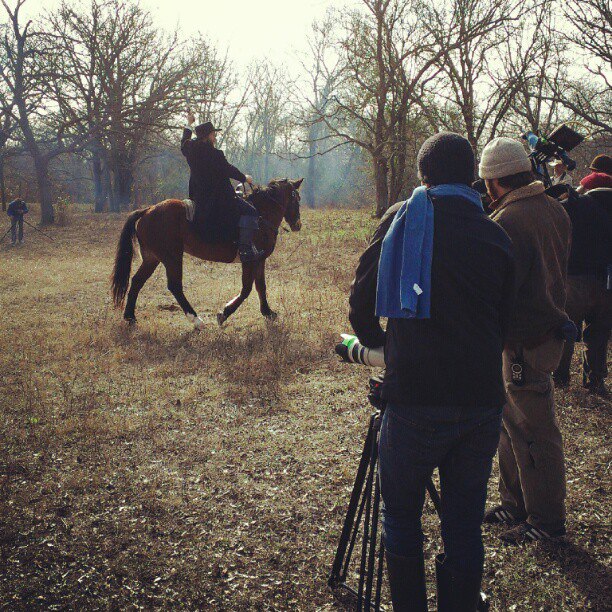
274, 29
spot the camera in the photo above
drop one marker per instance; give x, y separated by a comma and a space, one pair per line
556, 146
352, 351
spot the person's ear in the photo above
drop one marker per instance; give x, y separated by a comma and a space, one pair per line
492, 186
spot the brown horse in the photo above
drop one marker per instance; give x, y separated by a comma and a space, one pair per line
164, 235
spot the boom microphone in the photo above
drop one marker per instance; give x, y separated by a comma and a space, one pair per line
352, 351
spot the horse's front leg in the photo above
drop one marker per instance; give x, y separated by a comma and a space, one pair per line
260, 285
248, 276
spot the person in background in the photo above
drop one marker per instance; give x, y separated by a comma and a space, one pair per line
16, 210
600, 176
589, 283
531, 462
561, 175
442, 273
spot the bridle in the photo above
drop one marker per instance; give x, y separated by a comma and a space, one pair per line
294, 199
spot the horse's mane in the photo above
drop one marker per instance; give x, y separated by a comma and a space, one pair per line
268, 191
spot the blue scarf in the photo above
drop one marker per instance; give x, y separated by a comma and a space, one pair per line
404, 268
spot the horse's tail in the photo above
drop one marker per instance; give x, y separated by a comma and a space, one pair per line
120, 278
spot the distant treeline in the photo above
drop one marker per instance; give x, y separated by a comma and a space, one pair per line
93, 96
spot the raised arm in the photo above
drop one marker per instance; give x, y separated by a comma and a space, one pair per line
186, 140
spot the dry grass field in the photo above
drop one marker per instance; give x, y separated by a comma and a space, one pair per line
154, 467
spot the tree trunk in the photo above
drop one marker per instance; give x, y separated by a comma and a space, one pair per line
2, 185
124, 181
45, 197
381, 171
98, 178
311, 176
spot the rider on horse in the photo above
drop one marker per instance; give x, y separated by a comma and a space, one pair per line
211, 190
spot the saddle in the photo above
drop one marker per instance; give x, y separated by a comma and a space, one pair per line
210, 228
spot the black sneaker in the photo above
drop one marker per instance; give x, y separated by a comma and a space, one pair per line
598, 387
500, 516
524, 533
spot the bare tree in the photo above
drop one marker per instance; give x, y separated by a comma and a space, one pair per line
212, 89
471, 79
26, 75
533, 56
588, 97
324, 73
130, 79
392, 53
267, 120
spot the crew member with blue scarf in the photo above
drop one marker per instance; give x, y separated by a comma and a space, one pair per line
442, 274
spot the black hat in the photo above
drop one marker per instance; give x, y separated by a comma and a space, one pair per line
446, 157
204, 129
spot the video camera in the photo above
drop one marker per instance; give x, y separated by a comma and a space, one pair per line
556, 146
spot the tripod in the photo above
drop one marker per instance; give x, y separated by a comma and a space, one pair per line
363, 514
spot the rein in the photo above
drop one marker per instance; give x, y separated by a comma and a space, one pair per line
265, 222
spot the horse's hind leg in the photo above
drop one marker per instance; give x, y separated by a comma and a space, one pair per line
147, 267
248, 276
260, 285
174, 274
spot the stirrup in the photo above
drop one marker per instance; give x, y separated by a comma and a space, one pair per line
250, 254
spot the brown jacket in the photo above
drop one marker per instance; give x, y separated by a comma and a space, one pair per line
541, 234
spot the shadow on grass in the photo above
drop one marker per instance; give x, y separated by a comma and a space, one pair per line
591, 577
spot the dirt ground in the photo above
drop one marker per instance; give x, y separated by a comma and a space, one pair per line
154, 467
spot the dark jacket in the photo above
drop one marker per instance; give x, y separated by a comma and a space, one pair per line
454, 357
17, 208
541, 233
591, 218
209, 182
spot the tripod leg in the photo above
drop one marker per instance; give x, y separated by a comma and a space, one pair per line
337, 572
435, 496
366, 538
374, 524
379, 574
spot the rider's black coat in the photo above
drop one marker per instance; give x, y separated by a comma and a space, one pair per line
209, 185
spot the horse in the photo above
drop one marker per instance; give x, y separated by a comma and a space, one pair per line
164, 234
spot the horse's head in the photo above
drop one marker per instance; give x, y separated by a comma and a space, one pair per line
291, 197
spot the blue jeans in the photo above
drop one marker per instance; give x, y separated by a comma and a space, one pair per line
246, 209
461, 444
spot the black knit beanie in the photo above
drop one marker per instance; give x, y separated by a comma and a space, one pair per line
446, 158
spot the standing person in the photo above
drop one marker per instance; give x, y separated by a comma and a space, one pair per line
561, 175
16, 210
531, 463
600, 176
442, 272
589, 289
211, 190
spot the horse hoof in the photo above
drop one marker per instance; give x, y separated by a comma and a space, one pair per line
221, 319
196, 321
130, 321
271, 316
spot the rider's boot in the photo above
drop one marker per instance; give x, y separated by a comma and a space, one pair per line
247, 226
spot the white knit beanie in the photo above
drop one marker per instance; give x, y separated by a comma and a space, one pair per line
503, 157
